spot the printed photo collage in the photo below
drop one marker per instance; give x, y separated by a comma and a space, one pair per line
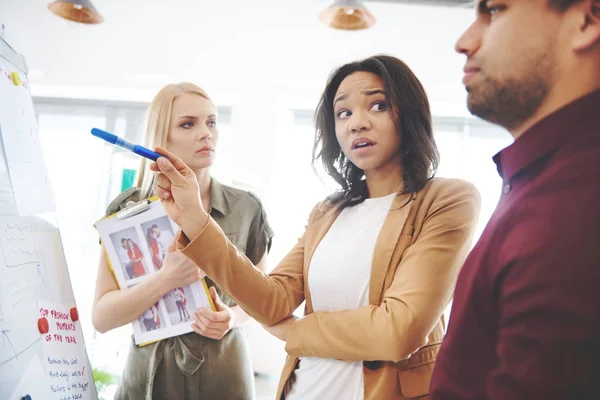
137, 247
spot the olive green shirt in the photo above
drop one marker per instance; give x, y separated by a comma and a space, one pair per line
192, 366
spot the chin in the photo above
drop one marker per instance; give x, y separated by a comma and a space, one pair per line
365, 165
474, 103
479, 109
200, 164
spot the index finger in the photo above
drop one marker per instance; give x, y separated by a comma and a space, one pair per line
176, 161
166, 167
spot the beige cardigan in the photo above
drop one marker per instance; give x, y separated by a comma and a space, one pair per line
414, 270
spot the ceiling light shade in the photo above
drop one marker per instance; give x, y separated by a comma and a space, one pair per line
76, 10
347, 15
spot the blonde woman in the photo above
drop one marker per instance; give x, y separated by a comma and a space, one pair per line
212, 362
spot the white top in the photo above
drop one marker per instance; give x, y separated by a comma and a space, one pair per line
124, 256
338, 279
164, 241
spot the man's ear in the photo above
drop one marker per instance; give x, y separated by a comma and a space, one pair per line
589, 26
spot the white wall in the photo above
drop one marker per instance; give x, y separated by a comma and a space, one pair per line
227, 46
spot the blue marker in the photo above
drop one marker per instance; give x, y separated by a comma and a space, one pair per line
137, 149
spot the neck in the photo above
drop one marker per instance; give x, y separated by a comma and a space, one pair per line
385, 180
204, 179
564, 92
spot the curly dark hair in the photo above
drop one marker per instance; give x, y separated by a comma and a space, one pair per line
420, 156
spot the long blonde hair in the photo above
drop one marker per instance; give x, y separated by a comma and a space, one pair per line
158, 121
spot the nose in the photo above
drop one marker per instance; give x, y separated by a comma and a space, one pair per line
470, 41
359, 122
204, 134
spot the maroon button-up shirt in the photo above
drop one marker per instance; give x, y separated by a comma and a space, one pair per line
525, 321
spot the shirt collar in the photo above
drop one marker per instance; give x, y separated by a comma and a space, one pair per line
571, 122
218, 200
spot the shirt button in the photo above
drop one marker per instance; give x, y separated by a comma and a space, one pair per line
372, 365
506, 188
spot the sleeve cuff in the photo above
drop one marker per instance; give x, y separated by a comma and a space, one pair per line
294, 345
183, 242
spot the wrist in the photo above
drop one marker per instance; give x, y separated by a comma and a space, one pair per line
193, 224
162, 281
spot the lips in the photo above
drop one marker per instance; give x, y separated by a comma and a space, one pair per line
470, 72
205, 149
362, 143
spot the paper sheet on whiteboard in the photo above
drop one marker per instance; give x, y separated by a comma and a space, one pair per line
65, 361
24, 157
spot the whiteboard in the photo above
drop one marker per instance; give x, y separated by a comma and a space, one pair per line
34, 279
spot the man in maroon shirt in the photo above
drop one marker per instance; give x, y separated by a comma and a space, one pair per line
525, 322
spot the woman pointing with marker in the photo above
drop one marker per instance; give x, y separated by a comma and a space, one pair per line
377, 261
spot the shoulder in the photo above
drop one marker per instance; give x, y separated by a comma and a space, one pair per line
448, 191
448, 202
449, 186
322, 208
119, 202
244, 199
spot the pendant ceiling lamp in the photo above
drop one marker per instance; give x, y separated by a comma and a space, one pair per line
82, 11
347, 15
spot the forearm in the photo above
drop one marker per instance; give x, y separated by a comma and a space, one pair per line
366, 333
120, 307
281, 329
266, 298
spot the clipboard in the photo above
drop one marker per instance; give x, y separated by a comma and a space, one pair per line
125, 229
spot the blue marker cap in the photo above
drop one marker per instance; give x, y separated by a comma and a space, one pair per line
117, 141
109, 137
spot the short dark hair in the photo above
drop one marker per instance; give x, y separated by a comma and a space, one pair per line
154, 226
123, 240
562, 5
413, 124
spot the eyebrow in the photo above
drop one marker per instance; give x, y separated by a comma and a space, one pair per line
187, 117
195, 118
375, 91
366, 92
482, 6
342, 97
